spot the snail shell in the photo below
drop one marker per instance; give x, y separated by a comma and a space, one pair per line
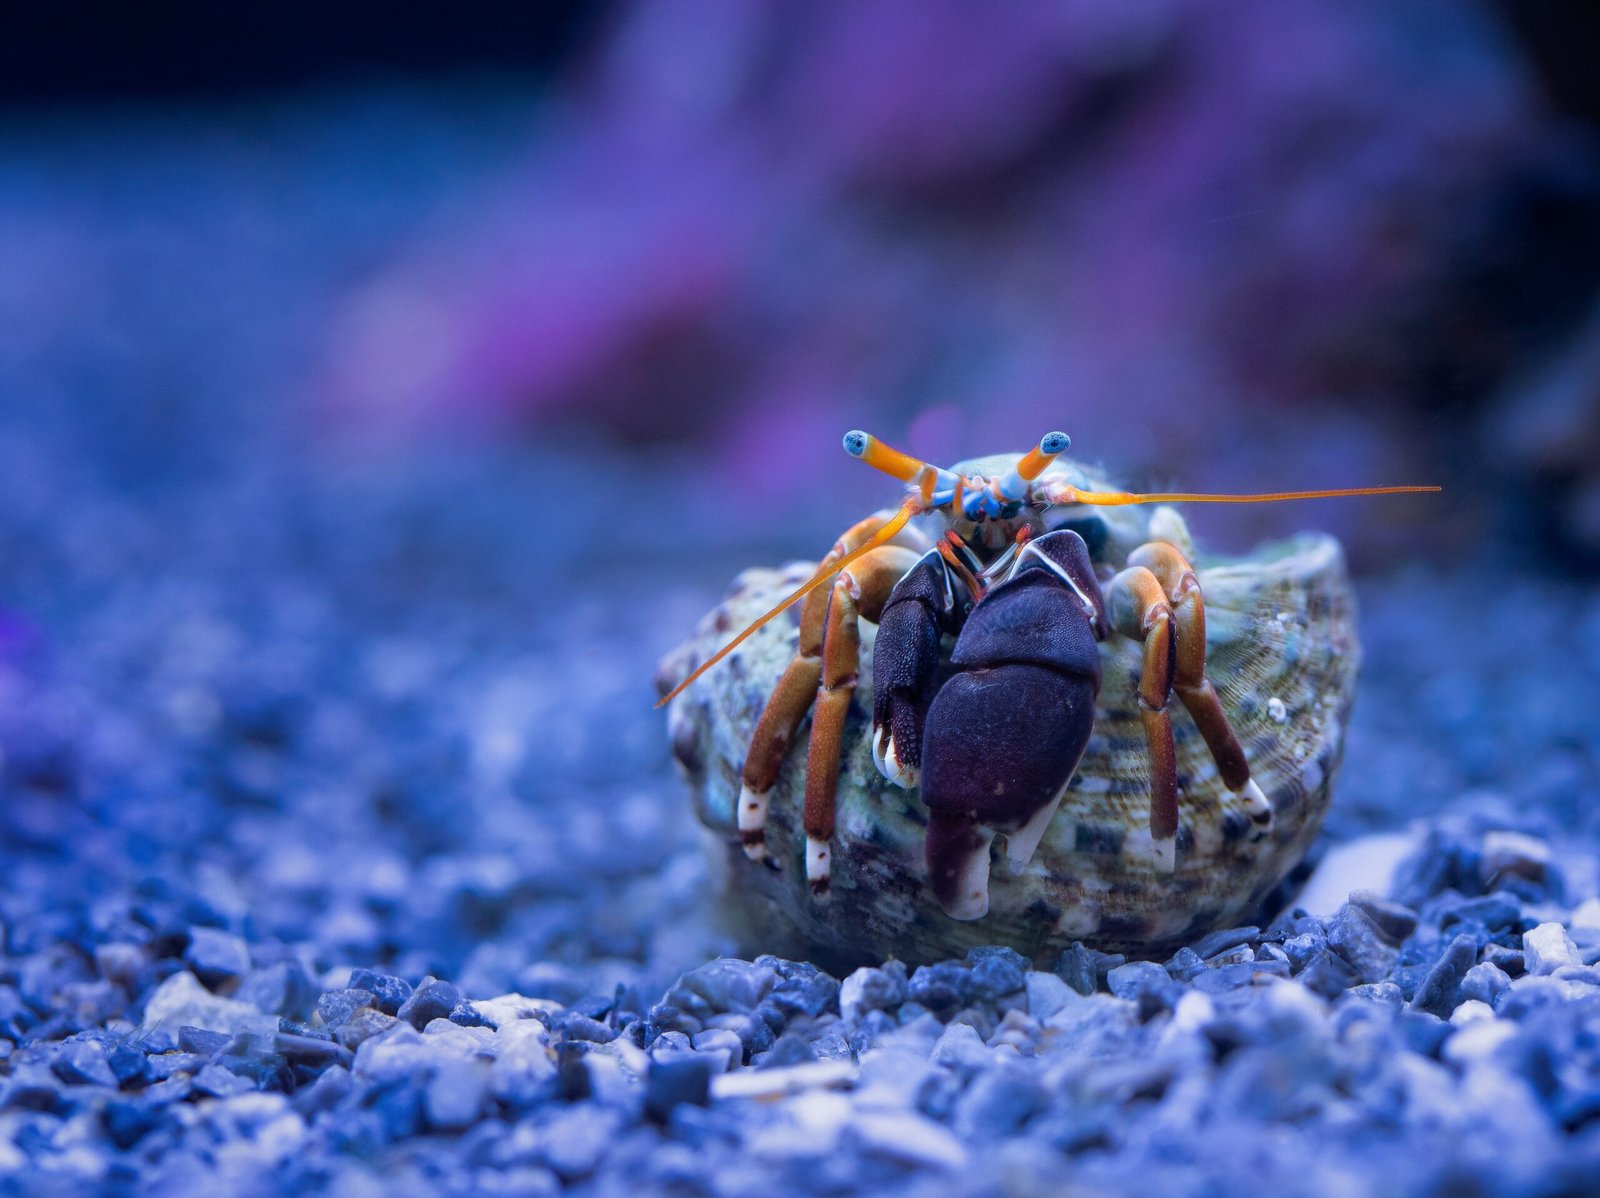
1282, 652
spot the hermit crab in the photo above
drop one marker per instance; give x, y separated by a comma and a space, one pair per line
1022, 660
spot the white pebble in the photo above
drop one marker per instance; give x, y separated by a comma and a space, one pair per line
1515, 853
722, 1045
775, 1083
1586, 916
1478, 1040
810, 1128
513, 1008
1194, 1010
852, 992
1047, 994
1471, 1011
1278, 710
1547, 948
960, 1046
469, 1041
912, 1138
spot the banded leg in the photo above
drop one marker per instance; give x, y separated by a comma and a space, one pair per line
859, 592
1139, 608
1177, 578
790, 700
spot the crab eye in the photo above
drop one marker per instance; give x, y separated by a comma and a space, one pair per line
1055, 443
855, 443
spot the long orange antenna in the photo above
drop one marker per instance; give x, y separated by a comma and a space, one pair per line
908, 509
1123, 498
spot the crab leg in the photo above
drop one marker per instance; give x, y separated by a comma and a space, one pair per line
1139, 608
860, 591
780, 719
1194, 689
790, 700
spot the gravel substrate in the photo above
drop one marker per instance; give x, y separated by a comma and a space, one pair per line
346, 856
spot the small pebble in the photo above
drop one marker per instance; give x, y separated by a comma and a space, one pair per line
83, 1062
1547, 948
336, 1007
219, 959
671, 1083
1484, 983
1047, 994
388, 992
1440, 989
1360, 942
433, 999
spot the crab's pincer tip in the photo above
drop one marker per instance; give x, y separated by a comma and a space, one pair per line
1054, 443
856, 442
889, 763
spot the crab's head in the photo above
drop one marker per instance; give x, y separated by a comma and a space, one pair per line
978, 489
983, 499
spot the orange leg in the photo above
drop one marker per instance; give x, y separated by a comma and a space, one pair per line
1194, 689
1139, 608
859, 592
793, 696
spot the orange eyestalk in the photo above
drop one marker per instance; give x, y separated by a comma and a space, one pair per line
908, 509
1014, 484
883, 457
1124, 498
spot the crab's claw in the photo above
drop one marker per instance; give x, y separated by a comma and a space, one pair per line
886, 754
982, 776
920, 609
1029, 649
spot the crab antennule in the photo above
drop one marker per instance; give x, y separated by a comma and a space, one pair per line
908, 509
1014, 483
1123, 498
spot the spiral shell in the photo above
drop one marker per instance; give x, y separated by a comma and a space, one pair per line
1283, 654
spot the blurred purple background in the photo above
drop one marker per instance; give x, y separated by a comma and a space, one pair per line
1245, 246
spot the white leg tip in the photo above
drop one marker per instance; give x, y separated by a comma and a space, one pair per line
971, 899
1022, 844
819, 865
1258, 807
1164, 854
973, 904
753, 823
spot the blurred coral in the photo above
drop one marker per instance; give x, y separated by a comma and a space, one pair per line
1544, 433
1197, 236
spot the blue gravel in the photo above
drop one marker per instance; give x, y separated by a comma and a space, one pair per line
344, 855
